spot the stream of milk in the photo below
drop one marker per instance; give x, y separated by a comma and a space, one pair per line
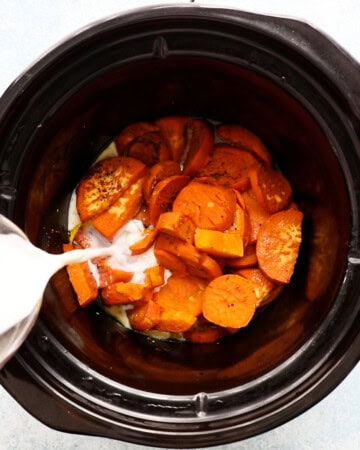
25, 271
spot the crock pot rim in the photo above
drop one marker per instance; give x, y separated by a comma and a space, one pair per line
10, 93
294, 32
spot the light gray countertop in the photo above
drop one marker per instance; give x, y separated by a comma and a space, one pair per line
28, 28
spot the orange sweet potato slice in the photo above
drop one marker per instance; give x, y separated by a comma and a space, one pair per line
229, 301
239, 199
157, 173
163, 195
272, 295
175, 321
170, 261
278, 244
230, 166
145, 243
182, 249
173, 130
263, 285
206, 267
81, 238
143, 215
256, 215
219, 243
210, 207
249, 259
200, 143
108, 275
120, 212
131, 132
83, 282
123, 293
81, 279
182, 294
242, 183
106, 182
204, 332
144, 316
68, 247
271, 189
239, 225
238, 135
154, 276
148, 148
176, 224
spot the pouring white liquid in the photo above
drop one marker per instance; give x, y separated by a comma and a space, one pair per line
25, 271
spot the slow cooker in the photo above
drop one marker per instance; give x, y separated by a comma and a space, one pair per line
278, 77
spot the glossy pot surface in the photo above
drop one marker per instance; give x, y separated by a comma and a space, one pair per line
300, 94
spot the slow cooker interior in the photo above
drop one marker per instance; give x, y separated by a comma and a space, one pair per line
73, 133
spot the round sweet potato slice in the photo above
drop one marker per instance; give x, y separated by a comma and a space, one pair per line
229, 301
278, 244
210, 207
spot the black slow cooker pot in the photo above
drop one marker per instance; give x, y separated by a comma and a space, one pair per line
79, 370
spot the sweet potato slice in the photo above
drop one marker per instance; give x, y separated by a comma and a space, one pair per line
145, 243
123, 210
238, 135
176, 224
81, 279
249, 259
207, 267
183, 250
204, 332
278, 244
154, 276
145, 316
175, 321
239, 199
83, 282
157, 173
81, 239
143, 215
148, 148
68, 247
163, 195
241, 224
256, 215
170, 261
132, 132
182, 294
210, 207
108, 275
219, 243
272, 295
242, 183
87, 236
106, 182
238, 226
230, 166
173, 130
263, 285
123, 293
229, 301
200, 143
271, 188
